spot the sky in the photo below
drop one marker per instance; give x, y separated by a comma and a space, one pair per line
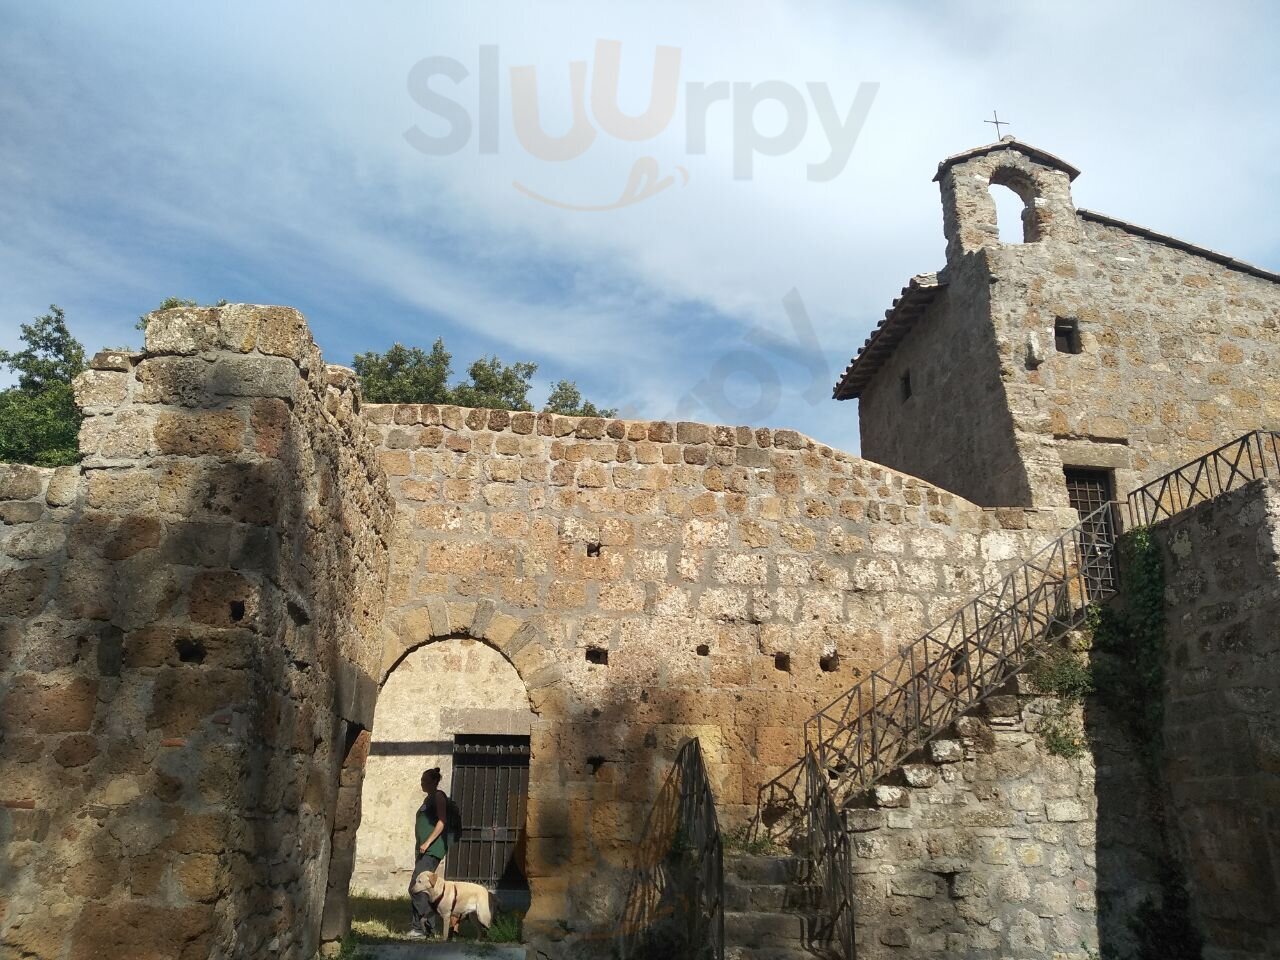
411, 170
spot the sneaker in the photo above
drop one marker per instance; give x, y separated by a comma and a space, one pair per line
415, 934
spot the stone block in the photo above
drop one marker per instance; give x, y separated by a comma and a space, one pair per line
1065, 811
283, 332
184, 331
19, 482
946, 751
254, 376
920, 774
105, 389
20, 512
218, 433
64, 487
59, 706
886, 796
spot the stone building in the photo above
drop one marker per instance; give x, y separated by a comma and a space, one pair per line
1095, 345
259, 607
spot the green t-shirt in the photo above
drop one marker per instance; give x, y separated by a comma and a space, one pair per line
425, 823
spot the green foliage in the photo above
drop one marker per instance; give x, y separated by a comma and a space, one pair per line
405, 374
1130, 678
413, 375
39, 420
376, 919
1061, 733
508, 927
566, 399
496, 385
1064, 673
743, 841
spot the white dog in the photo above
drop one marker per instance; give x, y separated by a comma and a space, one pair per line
453, 900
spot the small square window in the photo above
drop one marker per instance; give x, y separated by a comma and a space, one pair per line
1066, 335
904, 383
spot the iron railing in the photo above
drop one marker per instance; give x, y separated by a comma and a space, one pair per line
830, 859
675, 905
1232, 465
870, 731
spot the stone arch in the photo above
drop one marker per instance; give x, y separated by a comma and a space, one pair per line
1006, 179
519, 645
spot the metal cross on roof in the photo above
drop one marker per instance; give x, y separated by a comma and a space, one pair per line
998, 122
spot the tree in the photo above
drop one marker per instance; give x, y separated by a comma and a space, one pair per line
495, 385
412, 375
566, 399
39, 419
405, 374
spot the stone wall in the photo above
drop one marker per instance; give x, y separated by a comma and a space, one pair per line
1222, 714
1175, 349
654, 581
987, 845
191, 627
955, 429
437, 691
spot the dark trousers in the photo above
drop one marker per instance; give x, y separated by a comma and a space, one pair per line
422, 912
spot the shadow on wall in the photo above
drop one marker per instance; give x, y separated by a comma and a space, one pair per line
600, 779
182, 644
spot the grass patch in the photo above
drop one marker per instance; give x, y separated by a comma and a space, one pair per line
760, 845
377, 919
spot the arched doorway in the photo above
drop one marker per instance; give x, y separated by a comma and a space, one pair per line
460, 705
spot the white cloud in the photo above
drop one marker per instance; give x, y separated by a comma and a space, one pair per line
260, 148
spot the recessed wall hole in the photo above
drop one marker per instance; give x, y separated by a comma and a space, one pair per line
703, 650
598, 656
594, 764
782, 661
904, 385
190, 650
829, 663
297, 612
237, 610
593, 549
1066, 335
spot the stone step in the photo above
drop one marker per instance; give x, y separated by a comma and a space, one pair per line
748, 868
770, 897
771, 953
457, 950
755, 928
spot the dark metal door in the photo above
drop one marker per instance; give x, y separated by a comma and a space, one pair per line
1089, 491
490, 784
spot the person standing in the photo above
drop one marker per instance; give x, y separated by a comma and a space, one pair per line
432, 843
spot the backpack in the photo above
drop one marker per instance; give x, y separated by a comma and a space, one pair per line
453, 821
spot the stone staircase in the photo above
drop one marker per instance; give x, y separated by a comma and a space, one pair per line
771, 911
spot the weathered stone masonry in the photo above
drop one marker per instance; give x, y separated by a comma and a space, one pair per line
1222, 714
194, 627
1176, 345
736, 579
195, 623
191, 631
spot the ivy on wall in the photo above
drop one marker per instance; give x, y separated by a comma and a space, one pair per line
1120, 662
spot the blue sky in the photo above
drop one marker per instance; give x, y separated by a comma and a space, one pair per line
257, 152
